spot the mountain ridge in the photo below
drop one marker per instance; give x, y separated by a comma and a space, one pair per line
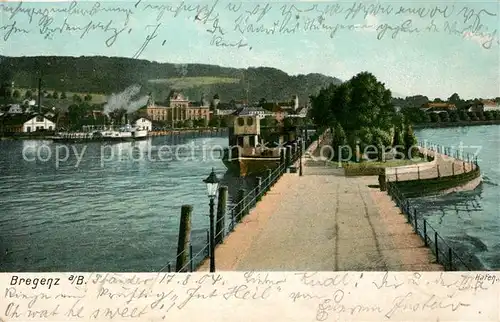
107, 75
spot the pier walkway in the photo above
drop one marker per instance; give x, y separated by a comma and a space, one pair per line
323, 221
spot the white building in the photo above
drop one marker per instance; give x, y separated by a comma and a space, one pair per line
143, 124
15, 109
38, 123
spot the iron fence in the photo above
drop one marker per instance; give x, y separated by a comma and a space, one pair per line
443, 252
236, 213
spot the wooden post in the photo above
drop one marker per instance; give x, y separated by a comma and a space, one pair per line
418, 172
450, 259
288, 155
439, 173
258, 190
415, 219
436, 246
396, 172
382, 182
184, 237
220, 226
425, 233
241, 205
282, 155
464, 169
453, 167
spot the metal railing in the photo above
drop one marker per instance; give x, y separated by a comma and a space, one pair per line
444, 253
236, 213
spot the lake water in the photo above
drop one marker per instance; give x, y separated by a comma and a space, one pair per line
117, 209
469, 221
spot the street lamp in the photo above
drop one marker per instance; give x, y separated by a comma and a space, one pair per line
212, 185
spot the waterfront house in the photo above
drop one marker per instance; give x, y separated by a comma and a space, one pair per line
177, 109
26, 123
143, 124
438, 107
482, 106
38, 123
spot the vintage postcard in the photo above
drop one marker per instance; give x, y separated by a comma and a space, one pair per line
303, 144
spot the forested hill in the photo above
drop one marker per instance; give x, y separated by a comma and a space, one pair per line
105, 75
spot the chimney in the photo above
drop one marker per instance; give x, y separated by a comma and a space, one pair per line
40, 95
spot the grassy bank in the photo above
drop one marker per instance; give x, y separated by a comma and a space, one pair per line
374, 168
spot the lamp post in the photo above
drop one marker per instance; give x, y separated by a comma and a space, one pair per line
300, 154
212, 183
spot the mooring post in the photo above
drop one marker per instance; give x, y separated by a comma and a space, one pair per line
288, 156
258, 191
464, 170
450, 259
439, 173
241, 205
436, 246
453, 167
396, 172
220, 226
191, 261
425, 233
415, 218
418, 172
184, 237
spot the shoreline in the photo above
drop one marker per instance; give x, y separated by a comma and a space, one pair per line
150, 134
454, 124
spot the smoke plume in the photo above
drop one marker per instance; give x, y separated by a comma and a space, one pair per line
124, 100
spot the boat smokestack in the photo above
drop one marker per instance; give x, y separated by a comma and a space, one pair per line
40, 95
126, 118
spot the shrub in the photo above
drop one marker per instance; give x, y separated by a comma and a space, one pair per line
463, 116
444, 117
488, 115
472, 116
434, 117
480, 116
453, 116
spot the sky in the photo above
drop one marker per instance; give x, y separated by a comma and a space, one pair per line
443, 52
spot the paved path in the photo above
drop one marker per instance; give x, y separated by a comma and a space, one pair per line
324, 222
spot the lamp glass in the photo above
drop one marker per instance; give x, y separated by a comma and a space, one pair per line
212, 189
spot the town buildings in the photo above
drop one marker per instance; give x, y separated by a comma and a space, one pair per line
178, 109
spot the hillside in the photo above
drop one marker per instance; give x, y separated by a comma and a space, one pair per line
106, 75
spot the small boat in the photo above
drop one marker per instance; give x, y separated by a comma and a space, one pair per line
124, 133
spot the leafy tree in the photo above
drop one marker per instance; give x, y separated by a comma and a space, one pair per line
434, 117
88, 98
480, 116
472, 116
189, 123
28, 94
463, 115
488, 115
410, 141
55, 95
63, 95
77, 98
16, 94
444, 117
438, 100
453, 116
339, 141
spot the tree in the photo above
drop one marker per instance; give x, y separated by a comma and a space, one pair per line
455, 99
434, 117
28, 94
488, 115
444, 117
480, 116
77, 98
63, 95
472, 116
438, 100
88, 98
463, 115
454, 117
55, 95
16, 94
410, 141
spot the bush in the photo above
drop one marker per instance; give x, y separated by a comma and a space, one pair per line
480, 116
444, 117
453, 116
496, 114
472, 116
463, 116
434, 117
488, 115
